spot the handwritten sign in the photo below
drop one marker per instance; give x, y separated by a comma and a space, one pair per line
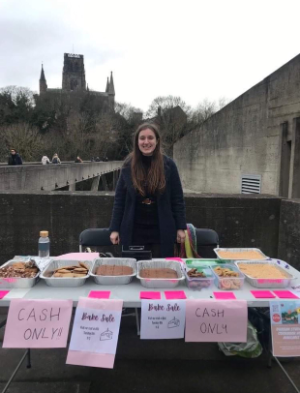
95, 332
38, 323
285, 327
162, 319
216, 320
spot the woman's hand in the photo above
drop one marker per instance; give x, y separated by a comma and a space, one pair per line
180, 236
115, 238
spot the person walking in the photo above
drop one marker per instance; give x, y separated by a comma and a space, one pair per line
55, 159
14, 158
149, 207
45, 160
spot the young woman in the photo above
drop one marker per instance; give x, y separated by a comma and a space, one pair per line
149, 206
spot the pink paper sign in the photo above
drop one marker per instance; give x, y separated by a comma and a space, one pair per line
95, 333
175, 295
175, 259
3, 293
38, 323
216, 320
224, 295
79, 256
285, 295
150, 295
262, 294
99, 294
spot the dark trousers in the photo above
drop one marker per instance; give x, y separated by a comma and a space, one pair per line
155, 250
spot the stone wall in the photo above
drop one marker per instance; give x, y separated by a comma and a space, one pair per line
241, 221
289, 232
245, 137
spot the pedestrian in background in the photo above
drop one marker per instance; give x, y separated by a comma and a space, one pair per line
14, 158
55, 159
78, 160
45, 160
149, 207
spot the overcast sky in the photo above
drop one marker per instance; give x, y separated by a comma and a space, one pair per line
192, 49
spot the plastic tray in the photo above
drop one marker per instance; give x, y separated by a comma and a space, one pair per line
68, 282
268, 283
16, 282
236, 250
113, 280
229, 283
198, 283
160, 282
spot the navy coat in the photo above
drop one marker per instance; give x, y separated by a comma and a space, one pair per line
170, 206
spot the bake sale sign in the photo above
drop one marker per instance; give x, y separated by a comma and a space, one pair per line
162, 319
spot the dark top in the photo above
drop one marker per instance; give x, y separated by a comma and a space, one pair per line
146, 227
14, 159
170, 208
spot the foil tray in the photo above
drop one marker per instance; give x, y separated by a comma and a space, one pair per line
17, 282
113, 280
160, 282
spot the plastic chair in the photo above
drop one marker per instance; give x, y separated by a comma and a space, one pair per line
207, 240
100, 237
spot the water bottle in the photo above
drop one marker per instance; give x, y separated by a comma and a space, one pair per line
44, 245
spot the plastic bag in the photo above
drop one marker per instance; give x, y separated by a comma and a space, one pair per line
250, 349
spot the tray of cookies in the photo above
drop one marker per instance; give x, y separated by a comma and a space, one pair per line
228, 277
66, 273
19, 274
113, 271
159, 273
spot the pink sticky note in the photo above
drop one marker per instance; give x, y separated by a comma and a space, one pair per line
174, 259
79, 256
285, 295
224, 295
149, 295
262, 294
38, 323
175, 295
3, 293
99, 294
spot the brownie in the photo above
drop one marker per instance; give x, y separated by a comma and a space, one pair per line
114, 270
158, 273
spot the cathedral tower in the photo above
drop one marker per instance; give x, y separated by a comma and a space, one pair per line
73, 73
43, 83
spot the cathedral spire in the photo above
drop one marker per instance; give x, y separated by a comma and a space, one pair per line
111, 89
43, 82
107, 85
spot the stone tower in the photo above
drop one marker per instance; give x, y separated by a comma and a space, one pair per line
73, 73
111, 91
43, 83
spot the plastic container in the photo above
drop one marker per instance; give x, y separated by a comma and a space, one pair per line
199, 262
198, 283
67, 282
160, 282
44, 245
239, 250
228, 283
113, 280
17, 282
268, 282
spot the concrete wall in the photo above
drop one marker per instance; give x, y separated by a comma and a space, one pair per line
50, 177
240, 221
245, 137
289, 232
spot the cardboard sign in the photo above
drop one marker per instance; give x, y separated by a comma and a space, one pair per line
285, 327
38, 323
95, 333
162, 319
216, 320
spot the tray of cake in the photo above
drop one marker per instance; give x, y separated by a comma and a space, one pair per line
66, 273
113, 271
265, 274
238, 254
159, 273
19, 274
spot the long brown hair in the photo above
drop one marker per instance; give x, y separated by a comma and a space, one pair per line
156, 181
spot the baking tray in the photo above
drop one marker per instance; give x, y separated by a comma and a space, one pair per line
198, 283
228, 283
61, 282
233, 250
16, 282
113, 280
266, 282
160, 282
